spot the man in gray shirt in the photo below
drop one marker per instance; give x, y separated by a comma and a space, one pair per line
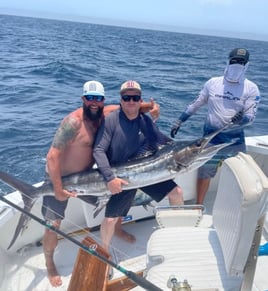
120, 138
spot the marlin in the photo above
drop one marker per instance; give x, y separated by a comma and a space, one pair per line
90, 186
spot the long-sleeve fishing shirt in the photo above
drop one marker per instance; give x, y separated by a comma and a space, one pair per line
224, 99
120, 139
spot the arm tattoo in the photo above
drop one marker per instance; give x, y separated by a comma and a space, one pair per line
67, 131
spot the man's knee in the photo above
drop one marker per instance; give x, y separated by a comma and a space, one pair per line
111, 221
176, 196
177, 191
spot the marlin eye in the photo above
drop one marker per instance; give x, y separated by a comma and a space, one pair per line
198, 143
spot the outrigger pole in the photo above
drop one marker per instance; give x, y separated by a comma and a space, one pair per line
147, 285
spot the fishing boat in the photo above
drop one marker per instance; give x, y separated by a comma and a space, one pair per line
221, 245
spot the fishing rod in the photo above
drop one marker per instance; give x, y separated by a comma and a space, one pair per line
142, 282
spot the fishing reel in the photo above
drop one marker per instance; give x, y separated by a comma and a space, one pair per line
174, 285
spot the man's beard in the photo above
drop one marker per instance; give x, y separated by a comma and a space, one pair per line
90, 115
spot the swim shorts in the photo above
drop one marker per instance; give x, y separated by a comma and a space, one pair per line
119, 204
53, 209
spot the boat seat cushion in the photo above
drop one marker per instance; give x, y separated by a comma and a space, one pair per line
240, 201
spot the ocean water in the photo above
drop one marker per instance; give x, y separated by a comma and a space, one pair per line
44, 63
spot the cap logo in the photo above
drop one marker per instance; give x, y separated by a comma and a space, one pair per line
92, 87
241, 52
130, 84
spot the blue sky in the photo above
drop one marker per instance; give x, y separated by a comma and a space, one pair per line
238, 18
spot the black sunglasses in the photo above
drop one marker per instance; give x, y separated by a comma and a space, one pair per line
97, 98
237, 61
127, 98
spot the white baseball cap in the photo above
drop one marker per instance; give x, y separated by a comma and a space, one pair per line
93, 88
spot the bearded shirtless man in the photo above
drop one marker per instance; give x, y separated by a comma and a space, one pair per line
71, 152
